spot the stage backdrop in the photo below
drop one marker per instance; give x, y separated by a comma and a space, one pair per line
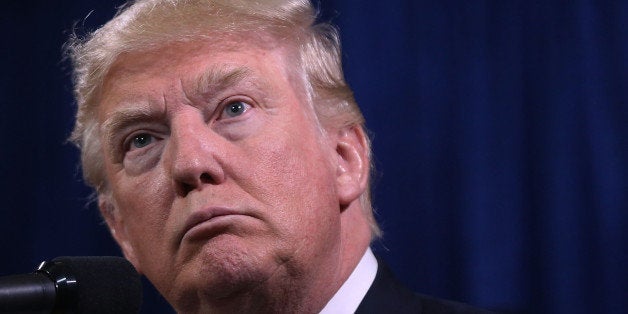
499, 131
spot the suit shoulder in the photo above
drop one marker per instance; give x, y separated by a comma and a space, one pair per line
387, 295
432, 305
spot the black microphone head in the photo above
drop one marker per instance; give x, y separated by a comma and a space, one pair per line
104, 284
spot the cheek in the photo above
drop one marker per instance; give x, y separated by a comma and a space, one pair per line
144, 203
306, 211
297, 180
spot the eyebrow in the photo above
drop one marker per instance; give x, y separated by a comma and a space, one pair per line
214, 79
124, 118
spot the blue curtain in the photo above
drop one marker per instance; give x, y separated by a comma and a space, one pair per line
499, 132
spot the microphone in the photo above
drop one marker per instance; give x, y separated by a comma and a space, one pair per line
90, 284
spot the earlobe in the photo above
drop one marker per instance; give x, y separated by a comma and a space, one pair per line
118, 229
353, 164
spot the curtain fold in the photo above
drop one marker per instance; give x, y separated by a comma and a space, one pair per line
500, 137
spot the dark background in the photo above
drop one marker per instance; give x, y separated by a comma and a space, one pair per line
499, 130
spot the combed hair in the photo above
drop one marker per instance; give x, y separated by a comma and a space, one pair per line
143, 25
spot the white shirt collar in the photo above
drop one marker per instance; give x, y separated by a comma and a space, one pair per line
350, 295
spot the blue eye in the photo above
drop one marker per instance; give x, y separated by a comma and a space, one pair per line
141, 140
236, 108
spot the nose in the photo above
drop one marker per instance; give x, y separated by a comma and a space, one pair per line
194, 155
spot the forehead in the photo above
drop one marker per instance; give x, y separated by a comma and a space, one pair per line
201, 64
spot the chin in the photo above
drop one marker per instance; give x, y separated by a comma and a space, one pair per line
220, 271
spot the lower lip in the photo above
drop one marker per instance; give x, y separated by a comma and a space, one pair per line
210, 228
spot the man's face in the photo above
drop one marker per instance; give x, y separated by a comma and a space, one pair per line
220, 177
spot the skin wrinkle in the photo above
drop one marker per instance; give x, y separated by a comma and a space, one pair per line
298, 82
216, 78
302, 225
282, 262
290, 170
121, 120
294, 27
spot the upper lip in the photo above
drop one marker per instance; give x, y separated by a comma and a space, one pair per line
207, 214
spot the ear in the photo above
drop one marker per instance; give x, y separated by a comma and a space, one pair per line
117, 228
353, 164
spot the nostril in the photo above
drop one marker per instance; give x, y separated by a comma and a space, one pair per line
186, 188
206, 178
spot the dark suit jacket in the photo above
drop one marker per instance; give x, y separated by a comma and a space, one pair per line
386, 295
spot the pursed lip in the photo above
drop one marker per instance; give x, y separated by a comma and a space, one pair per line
200, 217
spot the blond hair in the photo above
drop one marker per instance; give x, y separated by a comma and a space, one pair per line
150, 24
